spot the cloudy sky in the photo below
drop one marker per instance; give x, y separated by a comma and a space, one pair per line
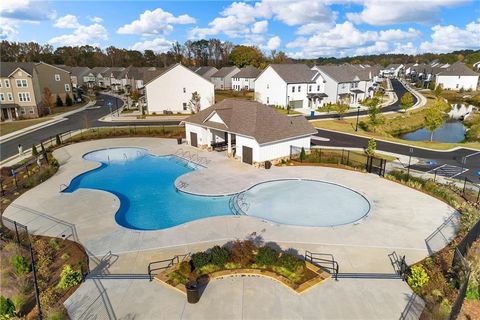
302, 28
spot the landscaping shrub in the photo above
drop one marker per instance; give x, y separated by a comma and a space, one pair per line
19, 301
185, 268
69, 277
177, 278
34, 151
59, 102
57, 314
7, 308
292, 276
208, 268
266, 256
21, 265
232, 265
54, 244
289, 262
65, 256
220, 255
58, 141
200, 259
68, 100
49, 297
243, 252
418, 278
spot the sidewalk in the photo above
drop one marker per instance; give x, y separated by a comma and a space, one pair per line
54, 120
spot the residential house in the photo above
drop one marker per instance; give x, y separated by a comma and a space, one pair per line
170, 89
206, 71
77, 74
100, 79
346, 83
245, 79
222, 79
392, 70
457, 77
296, 85
23, 84
248, 130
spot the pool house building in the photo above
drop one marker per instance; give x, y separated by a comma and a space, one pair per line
247, 130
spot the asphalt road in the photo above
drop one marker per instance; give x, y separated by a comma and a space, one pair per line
84, 119
397, 86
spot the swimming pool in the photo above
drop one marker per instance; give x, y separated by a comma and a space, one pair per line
303, 203
145, 186
149, 200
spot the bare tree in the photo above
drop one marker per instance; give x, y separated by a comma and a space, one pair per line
194, 102
47, 99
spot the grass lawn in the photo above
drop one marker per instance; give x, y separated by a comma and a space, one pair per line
226, 94
284, 111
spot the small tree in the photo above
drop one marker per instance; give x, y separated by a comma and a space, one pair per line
374, 112
434, 117
58, 141
194, 103
438, 90
134, 95
34, 151
47, 99
303, 155
7, 308
68, 100
371, 148
69, 277
59, 102
407, 101
341, 109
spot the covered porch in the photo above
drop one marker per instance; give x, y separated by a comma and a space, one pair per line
9, 112
355, 96
315, 100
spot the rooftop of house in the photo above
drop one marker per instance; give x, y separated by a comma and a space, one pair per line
202, 70
458, 69
253, 119
346, 72
294, 72
6, 68
223, 72
249, 72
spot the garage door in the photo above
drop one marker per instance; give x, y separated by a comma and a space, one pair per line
296, 104
247, 155
193, 139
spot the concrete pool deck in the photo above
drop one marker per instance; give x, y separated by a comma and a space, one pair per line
400, 219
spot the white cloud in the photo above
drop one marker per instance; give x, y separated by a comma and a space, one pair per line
274, 43
154, 22
311, 28
157, 45
81, 36
381, 12
67, 22
260, 26
95, 19
345, 39
405, 48
450, 38
301, 11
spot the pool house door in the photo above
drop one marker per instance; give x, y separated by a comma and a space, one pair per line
193, 139
247, 155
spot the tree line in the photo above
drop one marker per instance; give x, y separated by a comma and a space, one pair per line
212, 52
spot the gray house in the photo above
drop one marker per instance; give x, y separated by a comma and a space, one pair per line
222, 79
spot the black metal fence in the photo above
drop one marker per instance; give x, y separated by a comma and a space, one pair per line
19, 234
349, 158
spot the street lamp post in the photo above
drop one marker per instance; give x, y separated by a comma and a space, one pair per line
116, 106
358, 114
409, 162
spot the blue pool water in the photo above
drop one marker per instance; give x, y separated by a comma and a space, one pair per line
145, 186
149, 200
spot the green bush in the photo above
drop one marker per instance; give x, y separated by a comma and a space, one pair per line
68, 100
59, 102
58, 141
207, 269
418, 278
34, 151
21, 265
220, 255
19, 301
232, 265
69, 277
292, 276
7, 308
54, 244
289, 262
177, 278
200, 259
65, 256
185, 268
266, 256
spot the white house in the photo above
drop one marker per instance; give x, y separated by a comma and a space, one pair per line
248, 130
206, 71
290, 84
392, 70
245, 79
171, 89
346, 83
222, 79
457, 76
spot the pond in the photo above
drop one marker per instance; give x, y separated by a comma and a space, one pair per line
451, 131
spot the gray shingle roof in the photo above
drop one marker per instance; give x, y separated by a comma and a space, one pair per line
225, 71
6, 68
202, 70
458, 69
294, 72
253, 119
345, 73
249, 72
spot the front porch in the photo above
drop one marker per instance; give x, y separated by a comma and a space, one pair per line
9, 112
315, 100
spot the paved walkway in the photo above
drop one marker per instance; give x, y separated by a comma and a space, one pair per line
400, 220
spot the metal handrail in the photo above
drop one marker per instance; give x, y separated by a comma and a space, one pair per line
171, 262
329, 264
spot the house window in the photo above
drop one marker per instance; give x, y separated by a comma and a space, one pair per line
7, 83
2, 98
0, 84
24, 97
343, 85
268, 100
21, 83
57, 77
457, 86
10, 96
293, 89
299, 88
309, 88
184, 90
318, 88
184, 106
268, 87
67, 87
22, 111
30, 110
